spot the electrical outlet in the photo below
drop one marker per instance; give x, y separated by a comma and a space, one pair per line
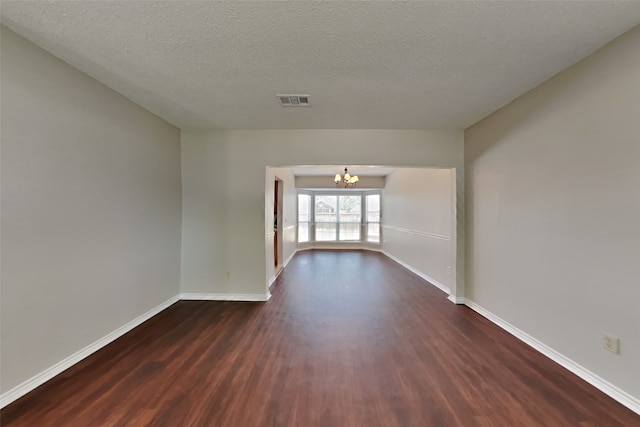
449, 270
611, 344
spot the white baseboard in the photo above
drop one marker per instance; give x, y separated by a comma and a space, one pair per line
606, 387
339, 246
289, 259
225, 297
44, 376
609, 389
419, 273
456, 300
273, 278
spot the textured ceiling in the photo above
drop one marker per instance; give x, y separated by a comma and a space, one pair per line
415, 65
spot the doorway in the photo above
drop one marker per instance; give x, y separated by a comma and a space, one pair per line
277, 224
454, 269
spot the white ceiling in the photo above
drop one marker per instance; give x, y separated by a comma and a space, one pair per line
411, 65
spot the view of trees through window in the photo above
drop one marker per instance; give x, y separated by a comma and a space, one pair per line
326, 216
338, 217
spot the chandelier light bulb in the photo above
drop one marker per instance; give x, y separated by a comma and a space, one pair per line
347, 180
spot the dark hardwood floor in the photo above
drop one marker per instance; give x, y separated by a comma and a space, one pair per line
348, 339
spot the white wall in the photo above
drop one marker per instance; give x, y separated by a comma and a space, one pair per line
553, 208
90, 210
224, 217
417, 221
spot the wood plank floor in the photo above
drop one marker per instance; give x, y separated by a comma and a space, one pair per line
348, 339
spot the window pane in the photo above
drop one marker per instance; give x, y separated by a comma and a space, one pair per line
350, 231
350, 217
373, 208
373, 232
326, 209
303, 232
304, 205
304, 216
350, 208
325, 231
373, 218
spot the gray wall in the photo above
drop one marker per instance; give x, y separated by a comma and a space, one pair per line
91, 210
417, 221
553, 211
224, 217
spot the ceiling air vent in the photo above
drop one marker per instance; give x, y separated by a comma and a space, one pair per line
294, 100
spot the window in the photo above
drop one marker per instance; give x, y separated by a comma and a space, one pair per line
350, 217
304, 217
373, 217
326, 215
344, 217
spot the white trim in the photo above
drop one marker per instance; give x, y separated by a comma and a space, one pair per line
419, 233
456, 300
273, 279
44, 376
376, 248
289, 259
606, 387
271, 234
275, 276
225, 297
305, 246
335, 245
418, 272
289, 227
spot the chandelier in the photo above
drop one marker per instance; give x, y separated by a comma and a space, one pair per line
346, 181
